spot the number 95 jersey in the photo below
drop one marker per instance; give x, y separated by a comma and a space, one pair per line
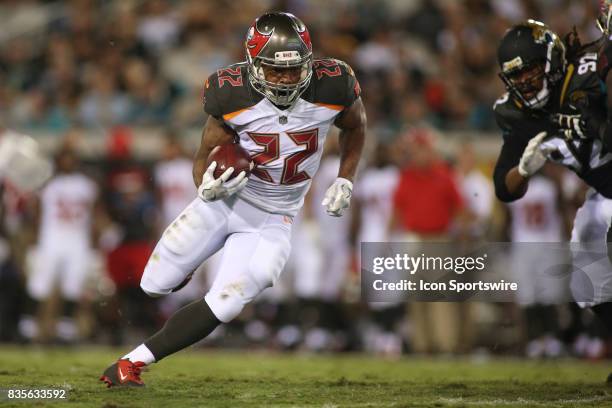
285, 144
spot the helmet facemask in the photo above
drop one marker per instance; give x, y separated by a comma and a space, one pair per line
532, 90
281, 94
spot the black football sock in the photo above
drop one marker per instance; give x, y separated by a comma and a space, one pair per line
604, 313
185, 327
69, 308
550, 320
533, 322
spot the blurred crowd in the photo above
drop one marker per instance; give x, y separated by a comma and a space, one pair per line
71, 256
96, 64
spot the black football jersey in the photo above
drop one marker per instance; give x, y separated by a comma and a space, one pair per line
580, 92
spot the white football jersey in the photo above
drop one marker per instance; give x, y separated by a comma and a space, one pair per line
477, 191
375, 190
535, 217
174, 180
286, 145
291, 152
66, 209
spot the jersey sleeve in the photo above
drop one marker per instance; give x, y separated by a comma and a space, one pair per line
333, 83
509, 157
353, 90
210, 98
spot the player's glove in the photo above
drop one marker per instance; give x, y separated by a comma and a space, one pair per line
571, 126
212, 189
338, 197
534, 156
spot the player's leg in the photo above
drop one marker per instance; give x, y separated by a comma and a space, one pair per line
76, 269
40, 283
252, 261
197, 233
591, 281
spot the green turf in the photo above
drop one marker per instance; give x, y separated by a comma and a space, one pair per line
236, 379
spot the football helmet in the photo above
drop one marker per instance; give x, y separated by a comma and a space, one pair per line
605, 16
532, 61
279, 40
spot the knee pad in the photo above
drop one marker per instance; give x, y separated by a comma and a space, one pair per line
150, 289
227, 300
224, 305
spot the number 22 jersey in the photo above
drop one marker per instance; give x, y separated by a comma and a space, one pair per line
285, 144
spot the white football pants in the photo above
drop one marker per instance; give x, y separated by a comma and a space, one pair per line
591, 281
67, 264
256, 247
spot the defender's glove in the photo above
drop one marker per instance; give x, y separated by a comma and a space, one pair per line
534, 157
571, 126
338, 197
213, 189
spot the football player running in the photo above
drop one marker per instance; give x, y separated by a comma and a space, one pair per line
279, 105
553, 111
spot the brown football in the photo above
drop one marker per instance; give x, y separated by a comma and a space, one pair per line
230, 155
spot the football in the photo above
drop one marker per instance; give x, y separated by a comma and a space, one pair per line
230, 155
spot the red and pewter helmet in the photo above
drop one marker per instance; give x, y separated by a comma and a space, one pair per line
279, 40
605, 16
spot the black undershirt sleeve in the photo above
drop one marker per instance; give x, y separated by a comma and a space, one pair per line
509, 157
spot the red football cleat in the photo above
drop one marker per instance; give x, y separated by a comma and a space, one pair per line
123, 373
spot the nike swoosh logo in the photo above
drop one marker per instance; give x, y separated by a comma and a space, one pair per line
121, 376
251, 46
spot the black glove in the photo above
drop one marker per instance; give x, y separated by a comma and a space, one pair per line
571, 126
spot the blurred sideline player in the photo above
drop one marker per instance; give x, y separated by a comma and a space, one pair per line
537, 217
173, 182
63, 252
428, 216
279, 105
371, 216
555, 110
476, 191
174, 188
321, 266
23, 169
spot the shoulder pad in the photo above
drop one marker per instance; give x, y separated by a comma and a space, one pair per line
333, 82
506, 112
227, 91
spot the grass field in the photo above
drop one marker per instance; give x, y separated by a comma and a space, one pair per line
237, 379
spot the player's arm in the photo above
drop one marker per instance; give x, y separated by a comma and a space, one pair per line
215, 133
516, 185
352, 124
511, 184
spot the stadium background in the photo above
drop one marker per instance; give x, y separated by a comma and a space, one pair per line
118, 81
